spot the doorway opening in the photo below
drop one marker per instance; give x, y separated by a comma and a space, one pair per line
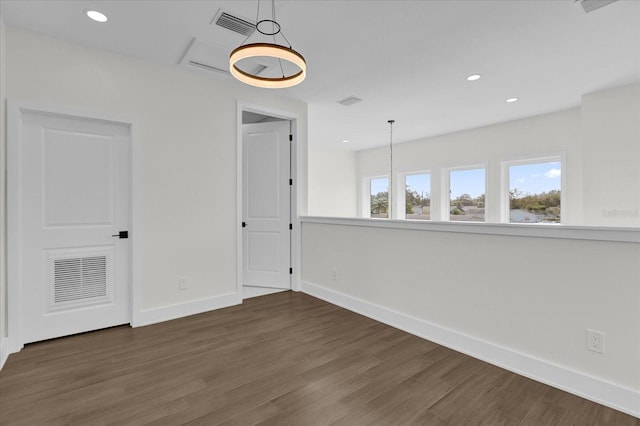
266, 201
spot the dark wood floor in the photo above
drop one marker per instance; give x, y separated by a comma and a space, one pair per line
283, 359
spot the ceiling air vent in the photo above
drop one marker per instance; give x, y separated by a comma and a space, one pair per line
591, 5
349, 101
206, 57
235, 24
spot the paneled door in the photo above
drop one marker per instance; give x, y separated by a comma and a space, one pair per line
266, 205
75, 206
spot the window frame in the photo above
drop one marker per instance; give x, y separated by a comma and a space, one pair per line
403, 199
366, 191
446, 193
532, 159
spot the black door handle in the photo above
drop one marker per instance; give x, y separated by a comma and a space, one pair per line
122, 234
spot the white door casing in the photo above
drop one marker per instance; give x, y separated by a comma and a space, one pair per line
266, 204
76, 194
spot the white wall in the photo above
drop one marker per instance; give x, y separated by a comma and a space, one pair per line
185, 138
332, 182
3, 127
611, 143
534, 297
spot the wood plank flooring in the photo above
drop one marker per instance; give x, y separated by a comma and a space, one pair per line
281, 359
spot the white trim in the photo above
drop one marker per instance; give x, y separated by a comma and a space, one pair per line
397, 196
4, 353
437, 187
296, 235
504, 192
14, 341
136, 227
366, 199
625, 235
591, 388
403, 178
294, 118
532, 159
239, 251
15, 112
192, 307
446, 181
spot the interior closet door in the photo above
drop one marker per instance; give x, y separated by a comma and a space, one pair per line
76, 196
266, 205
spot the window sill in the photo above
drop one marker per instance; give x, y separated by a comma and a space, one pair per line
627, 235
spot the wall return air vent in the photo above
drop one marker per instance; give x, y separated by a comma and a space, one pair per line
80, 278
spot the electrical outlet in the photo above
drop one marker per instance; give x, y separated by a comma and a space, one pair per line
595, 341
182, 283
334, 274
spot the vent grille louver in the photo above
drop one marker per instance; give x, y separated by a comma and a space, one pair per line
235, 24
80, 278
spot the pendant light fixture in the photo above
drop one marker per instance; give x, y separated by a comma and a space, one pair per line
270, 28
390, 192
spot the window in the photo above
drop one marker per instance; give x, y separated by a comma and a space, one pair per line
535, 190
467, 195
379, 191
418, 196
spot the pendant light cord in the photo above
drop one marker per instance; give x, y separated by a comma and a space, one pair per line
390, 195
274, 32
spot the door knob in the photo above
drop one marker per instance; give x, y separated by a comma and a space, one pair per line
122, 234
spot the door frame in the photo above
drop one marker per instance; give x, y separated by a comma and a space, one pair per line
14, 300
295, 218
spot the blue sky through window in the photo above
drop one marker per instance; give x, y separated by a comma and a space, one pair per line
535, 178
470, 181
419, 183
379, 185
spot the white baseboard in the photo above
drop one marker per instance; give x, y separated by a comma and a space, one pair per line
605, 393
179, 310
4, 352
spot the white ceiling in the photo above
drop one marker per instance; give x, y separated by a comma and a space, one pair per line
408, 60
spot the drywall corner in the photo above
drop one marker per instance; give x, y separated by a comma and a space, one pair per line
3, 204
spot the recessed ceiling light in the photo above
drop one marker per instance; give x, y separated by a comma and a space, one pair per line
345, 141
96, 16
473, 77
512, 100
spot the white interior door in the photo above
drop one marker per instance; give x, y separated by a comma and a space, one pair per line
266, 205
75, 175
